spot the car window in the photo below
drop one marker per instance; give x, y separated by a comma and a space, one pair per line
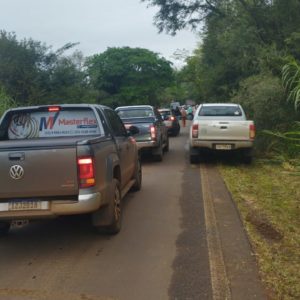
115, 122
135, 113
165, 113
230, 111
51, 124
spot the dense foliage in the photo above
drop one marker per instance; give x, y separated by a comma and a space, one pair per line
129, 75
245, 46
32, 73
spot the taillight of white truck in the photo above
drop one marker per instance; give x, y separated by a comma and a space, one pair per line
195, 130
86, 172
252, 131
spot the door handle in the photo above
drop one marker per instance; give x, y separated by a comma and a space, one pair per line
16, 156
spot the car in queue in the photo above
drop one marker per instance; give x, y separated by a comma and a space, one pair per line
153, 133
221, 127
66, 160
170, 121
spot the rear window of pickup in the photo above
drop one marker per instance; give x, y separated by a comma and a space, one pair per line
135, 113
220, 111
64, 122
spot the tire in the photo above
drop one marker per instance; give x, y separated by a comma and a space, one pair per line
166, 149
247, 159
158, 153
4, 228
194, 155
247, 156
111, 215
137, 177
194, 159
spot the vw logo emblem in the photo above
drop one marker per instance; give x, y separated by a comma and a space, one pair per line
16, 172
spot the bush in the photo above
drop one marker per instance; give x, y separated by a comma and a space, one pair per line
264, 100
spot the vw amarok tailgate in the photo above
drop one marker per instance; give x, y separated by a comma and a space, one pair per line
37, 170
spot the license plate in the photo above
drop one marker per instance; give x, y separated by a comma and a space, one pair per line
27, 205
223, 147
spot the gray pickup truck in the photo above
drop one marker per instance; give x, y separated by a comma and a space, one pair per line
221, 127
66, 160
153, 133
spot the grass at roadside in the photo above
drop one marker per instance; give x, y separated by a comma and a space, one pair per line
268, 197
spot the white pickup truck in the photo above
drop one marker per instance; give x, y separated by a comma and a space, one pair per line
221, 127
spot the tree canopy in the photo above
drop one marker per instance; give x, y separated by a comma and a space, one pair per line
32, 73
129, 75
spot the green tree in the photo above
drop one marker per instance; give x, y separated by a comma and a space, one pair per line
129, 75
67, 80
33, 73
6, 101
21, 65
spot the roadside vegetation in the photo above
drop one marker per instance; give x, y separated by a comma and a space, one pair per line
267, 194
249, 53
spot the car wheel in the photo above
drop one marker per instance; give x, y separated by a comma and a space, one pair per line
194, 155
116, 211
109, 218
247, 156
158, 153
137, 176
194, 159
4, 227
167, 145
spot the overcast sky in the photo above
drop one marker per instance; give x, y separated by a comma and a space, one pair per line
95, 24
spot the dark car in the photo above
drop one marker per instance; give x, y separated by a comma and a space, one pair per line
153, 133
171, 121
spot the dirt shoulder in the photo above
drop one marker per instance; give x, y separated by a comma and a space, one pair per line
267, 197
242, 274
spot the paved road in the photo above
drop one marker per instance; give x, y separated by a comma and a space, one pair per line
170, 247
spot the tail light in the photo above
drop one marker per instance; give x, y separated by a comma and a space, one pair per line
53, 108
172, 118
195, 129
251, 131
153, 132
86, 172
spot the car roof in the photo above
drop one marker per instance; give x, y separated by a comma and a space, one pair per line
218, 104
134, 107
76, 105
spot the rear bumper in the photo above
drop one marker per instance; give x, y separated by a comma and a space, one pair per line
211, 144
147, 144
84, 204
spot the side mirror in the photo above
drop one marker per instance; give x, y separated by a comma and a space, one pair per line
132, 130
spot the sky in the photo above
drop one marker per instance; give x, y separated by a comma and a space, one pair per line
95, 24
